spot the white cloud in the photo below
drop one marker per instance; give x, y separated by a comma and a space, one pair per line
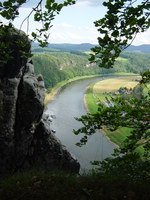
73, 34
142, 38
85, 3
72, 28
65, 25
33, 3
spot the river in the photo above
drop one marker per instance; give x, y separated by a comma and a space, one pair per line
67, 104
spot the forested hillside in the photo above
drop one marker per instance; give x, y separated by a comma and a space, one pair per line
57, 65
134, 62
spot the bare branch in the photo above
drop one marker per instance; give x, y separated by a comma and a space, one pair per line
33, 9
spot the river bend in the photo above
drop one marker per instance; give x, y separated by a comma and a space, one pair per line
67, 104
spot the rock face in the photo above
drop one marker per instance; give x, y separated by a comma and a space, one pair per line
26, 140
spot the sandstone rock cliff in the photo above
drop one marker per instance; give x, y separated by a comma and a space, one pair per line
26, 140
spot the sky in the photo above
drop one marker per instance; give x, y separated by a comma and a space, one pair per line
74, 24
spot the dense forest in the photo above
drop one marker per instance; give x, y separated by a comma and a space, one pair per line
58, 65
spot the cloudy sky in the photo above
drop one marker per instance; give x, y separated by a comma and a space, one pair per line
75, 23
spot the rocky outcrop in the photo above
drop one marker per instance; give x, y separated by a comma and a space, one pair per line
26, 140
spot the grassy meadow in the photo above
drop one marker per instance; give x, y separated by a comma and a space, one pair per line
99, 91
113, 84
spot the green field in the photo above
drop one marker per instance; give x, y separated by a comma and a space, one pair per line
113, 84
122, 59
98, 91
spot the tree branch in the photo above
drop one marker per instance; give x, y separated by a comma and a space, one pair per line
33, 9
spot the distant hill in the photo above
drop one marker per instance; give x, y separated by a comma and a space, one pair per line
58, 65
72, 47
64, 47
142, 48
85, 47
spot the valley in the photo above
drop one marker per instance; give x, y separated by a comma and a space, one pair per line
57, 64
60, 67
74, 100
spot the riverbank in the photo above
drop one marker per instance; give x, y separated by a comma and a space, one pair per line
68, 105
103, 131
97, 92
49, 96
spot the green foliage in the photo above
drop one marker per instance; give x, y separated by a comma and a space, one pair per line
58, 66
123, 20
8, 45
133, 113
38, 184
135, 62
145, 77
93, 97
46, 16
9, 10
130, 166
